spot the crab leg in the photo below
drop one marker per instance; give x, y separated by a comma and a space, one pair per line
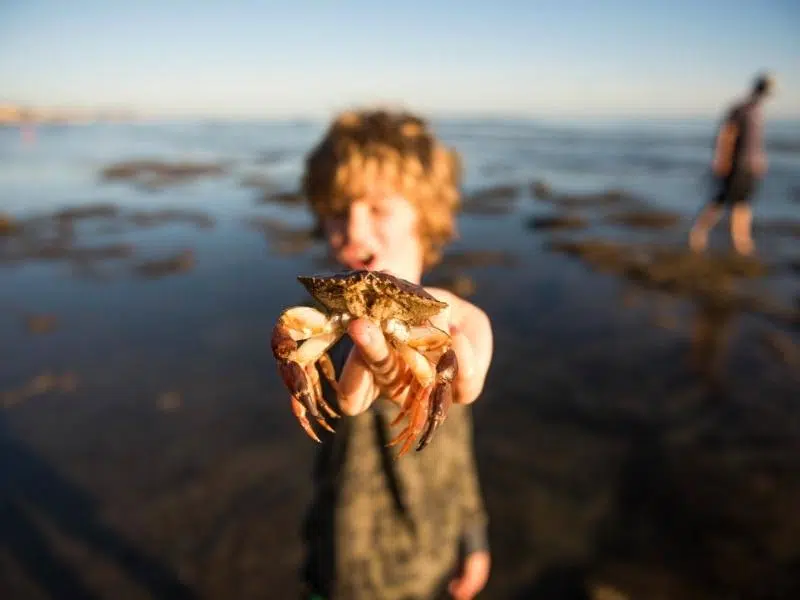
444, 357
328, 370
296, 363
317, 397
301, 377
429, 402
442, 396
421, 372
427, 338
417, 402
301, 322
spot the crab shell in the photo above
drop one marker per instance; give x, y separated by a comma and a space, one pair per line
375, 295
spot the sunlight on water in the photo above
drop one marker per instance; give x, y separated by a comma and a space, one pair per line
626, 394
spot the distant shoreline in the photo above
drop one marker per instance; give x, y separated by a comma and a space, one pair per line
17, 115
22, 118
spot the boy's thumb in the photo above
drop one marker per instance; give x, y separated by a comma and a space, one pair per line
370, 341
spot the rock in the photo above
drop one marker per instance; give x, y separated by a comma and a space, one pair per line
41, 323
155, 174
645, 219
7, 225
557, 222
88, 211
541, 190
461, 285
465, 259
289, 198
593, 199
197, 218
155, 269
500, 199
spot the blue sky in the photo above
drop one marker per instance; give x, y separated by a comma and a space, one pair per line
547, 58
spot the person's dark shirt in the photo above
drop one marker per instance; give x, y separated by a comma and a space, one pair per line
748, 150
386, 527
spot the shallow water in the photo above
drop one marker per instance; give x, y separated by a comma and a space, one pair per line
626, 438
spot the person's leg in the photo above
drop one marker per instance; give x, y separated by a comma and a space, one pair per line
742, 213
741, 228
708, 218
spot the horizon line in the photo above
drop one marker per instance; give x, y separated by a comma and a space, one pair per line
428, 115
120, 113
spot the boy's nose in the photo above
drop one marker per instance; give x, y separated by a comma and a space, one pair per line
358, 226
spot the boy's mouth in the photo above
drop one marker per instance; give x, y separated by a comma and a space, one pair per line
363, 260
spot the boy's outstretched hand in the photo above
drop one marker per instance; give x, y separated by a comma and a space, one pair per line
374, 366
473, 577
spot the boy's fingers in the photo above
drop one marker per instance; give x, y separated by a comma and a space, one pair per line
464, 354
374, 365
370, 342
370, 363
355, 385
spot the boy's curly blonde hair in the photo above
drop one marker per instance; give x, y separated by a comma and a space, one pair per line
398, 149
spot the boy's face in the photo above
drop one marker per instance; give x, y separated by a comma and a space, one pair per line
377, 232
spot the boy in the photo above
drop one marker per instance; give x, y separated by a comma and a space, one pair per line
738, 165
384, 191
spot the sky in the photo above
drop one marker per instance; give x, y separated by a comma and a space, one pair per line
307, 58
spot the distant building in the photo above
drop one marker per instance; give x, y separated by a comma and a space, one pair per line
11, 114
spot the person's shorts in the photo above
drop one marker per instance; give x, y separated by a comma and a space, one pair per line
737, 188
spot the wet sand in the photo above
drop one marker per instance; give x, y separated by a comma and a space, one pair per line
639, 436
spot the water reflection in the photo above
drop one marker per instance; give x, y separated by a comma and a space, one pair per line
39, 505
711, 334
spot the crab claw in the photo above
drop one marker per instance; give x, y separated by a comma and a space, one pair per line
297, 362
297, 381
441, 397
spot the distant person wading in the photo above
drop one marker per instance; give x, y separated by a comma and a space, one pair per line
738, 165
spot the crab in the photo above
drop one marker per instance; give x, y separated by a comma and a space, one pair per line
303, 335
